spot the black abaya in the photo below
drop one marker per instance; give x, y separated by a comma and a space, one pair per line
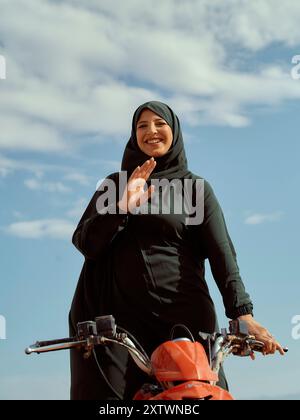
148, 270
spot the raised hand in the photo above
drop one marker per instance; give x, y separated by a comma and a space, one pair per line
134, 195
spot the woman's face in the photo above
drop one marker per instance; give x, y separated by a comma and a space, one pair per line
154, 135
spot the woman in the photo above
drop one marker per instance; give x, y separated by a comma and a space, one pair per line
147, 269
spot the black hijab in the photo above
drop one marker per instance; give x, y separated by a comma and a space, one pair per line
173, 165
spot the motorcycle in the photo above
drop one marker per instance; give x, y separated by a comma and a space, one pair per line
180, 367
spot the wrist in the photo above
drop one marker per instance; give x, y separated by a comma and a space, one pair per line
248, 317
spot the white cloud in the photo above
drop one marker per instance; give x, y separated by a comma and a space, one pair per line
7, 166
10, 166
255, 25
55, 187
46, 228
61, 89
259, 218
77, 177
22, 133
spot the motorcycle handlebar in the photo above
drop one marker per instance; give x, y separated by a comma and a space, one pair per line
89, 343
104, 331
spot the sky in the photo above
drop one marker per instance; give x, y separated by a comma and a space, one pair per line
71, 75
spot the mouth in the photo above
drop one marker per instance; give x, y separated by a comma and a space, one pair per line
153, 142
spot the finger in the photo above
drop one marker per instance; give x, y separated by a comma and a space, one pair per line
267, 347
145, 165
148, 168
273, 347
134, 173
140, 171
271, 344
280, 349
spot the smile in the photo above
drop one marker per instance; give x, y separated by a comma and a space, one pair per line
153, 141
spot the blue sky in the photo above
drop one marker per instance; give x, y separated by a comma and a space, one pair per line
74, 76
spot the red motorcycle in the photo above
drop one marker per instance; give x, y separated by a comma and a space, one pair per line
181, 368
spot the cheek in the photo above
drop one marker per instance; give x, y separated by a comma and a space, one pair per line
139, 139
169, 136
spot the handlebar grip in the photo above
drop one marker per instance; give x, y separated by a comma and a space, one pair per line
53, 342
257, 345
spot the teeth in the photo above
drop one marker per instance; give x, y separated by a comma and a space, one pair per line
152, 141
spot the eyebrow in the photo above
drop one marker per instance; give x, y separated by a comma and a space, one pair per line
155, 119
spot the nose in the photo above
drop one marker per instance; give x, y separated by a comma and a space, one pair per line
152, 128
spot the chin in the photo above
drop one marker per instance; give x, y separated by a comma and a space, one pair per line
155, 153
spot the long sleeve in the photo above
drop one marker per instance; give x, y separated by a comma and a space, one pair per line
96, 230
222, 257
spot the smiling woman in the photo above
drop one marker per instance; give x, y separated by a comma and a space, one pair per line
154, 135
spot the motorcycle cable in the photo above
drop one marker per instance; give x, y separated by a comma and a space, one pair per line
101, 370
136, 342
183, 327
105, 378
